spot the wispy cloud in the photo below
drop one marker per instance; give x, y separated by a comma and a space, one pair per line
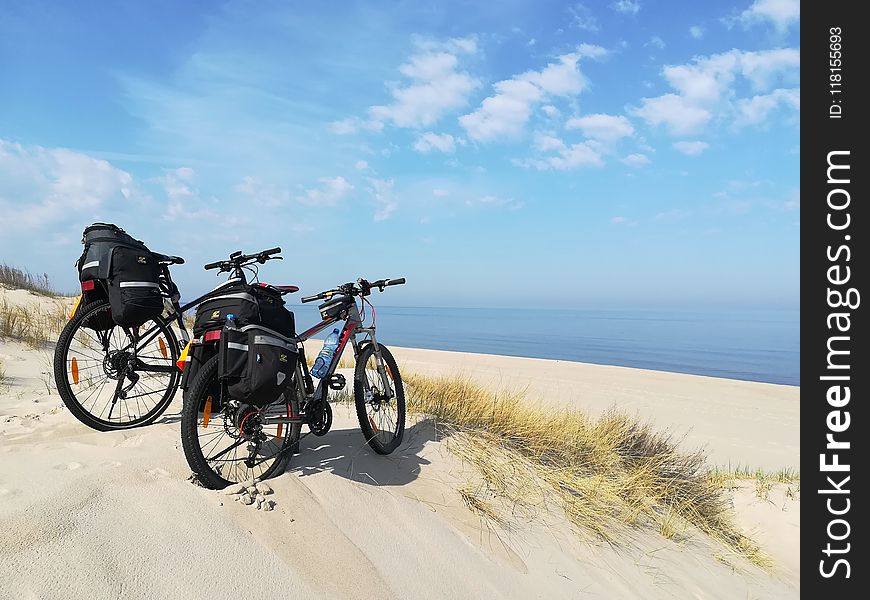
429, 142
626, 7
706, 86
40, 186
331, 190
693, 148
504, 114
780, 13
384, 198
435, 85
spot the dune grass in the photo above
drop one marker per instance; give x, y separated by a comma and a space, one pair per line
34, 327
607, 475
764, 480
15, 278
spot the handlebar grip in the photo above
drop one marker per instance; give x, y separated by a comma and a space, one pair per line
213, 265
397, 281
275, 250
309, 298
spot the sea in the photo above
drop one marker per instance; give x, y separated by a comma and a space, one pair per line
753, 345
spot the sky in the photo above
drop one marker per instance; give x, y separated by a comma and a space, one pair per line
627, 153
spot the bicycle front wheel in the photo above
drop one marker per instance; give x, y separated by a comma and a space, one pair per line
380, 398
112, 377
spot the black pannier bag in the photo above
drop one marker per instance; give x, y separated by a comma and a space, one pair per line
249, 305
273, 314
134, 286
126, 271
256, 363
197, 356
235, 299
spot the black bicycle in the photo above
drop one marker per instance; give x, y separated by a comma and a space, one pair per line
113, 377
228, 441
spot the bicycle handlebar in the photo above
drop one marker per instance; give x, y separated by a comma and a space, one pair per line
238, 260
361, 288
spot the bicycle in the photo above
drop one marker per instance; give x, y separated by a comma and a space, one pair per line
251, 443
93, 351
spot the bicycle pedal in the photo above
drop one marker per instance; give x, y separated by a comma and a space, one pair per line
337, 382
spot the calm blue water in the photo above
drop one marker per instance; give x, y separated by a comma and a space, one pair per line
755, 345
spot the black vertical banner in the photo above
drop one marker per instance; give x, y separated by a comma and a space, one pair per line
835, 222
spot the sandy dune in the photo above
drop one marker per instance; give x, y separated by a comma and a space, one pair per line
108, 515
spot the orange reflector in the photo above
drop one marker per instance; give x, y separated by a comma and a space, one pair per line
162, 346
206, 412
74, 368
76, 307
375, 427
390, 373
280, 431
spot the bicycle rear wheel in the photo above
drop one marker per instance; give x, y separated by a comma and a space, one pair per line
380, 401
233, 442
103, 376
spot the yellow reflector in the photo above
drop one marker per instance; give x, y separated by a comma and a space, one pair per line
206, 412
76, 307
183, 358
162, 346
375, 427
74, 369
280, 431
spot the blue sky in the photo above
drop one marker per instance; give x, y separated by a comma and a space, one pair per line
628, 153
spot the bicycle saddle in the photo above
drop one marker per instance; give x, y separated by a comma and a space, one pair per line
279, 289
169, 260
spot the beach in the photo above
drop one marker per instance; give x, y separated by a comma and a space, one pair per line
107, 515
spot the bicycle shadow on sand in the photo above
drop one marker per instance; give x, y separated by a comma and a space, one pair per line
344, 452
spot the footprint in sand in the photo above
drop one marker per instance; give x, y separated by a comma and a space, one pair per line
68, 466
132, 442
157, 473
111, 463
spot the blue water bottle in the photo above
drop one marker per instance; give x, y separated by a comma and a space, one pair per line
321, 365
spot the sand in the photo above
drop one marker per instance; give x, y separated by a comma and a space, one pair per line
85, 514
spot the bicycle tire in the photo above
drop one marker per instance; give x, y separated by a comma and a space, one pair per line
68, 395
201, 386
366, 421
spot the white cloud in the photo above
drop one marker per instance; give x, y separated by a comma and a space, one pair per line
566, 157
636, 160
696, 31
708, 84
495, 202
361, 165
656, 42
688, 148
429, 141
756, 110
591, 51
780, 13
602, 127
466, 45
440, 193
42, 185
384, 197
551, 111
582, 18
437, 87
626, 7
352, 125
673, 112
505, 114
332, 190
618, 220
